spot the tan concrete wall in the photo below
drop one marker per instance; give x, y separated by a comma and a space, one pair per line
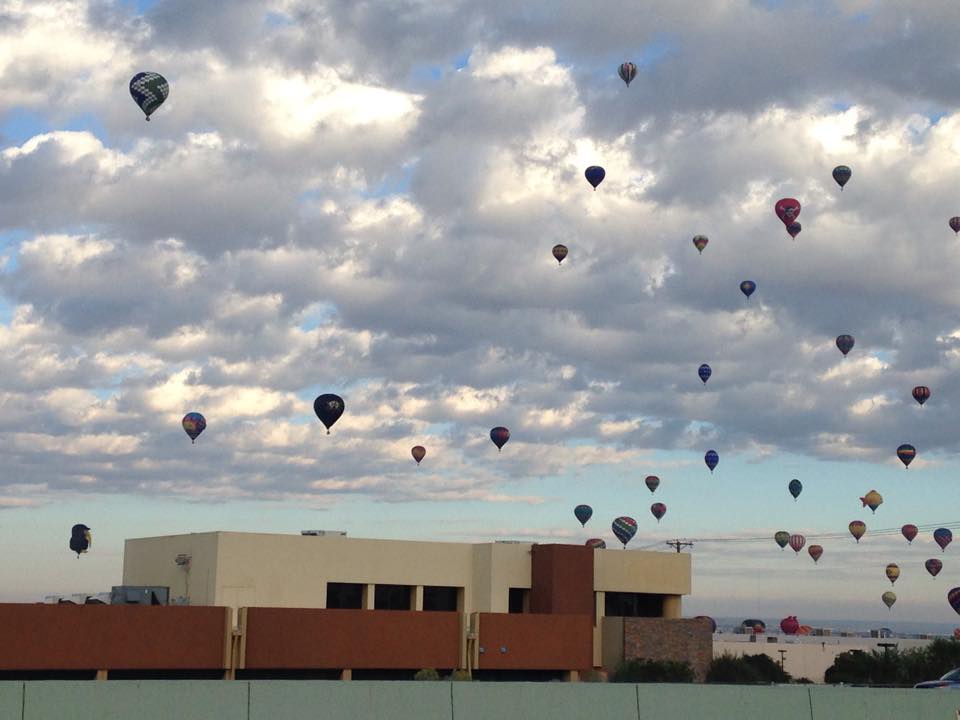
150, 561
809, 657
644, 572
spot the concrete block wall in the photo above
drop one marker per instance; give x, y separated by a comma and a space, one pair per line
669, 639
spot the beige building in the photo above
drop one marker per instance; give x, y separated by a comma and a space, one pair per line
334, 571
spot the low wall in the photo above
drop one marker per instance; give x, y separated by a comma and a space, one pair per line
534, 642
334, 700
636, 638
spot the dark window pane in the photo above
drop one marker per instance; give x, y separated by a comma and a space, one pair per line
518, 600
345, 595
442, 599
625, 604
391, 597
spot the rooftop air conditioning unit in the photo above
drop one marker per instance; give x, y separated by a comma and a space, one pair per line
342, 533
139, 595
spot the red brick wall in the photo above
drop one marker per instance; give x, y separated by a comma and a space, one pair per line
535, 642
112, 637
562, 580
293, 638
669, 639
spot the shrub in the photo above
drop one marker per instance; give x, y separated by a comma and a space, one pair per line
593, 676
460, 675
644, 671
746, 669
427, 674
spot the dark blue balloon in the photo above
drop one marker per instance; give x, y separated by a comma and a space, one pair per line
583, 513
747, 287
595, 175
711, 459
704, 372
795, 487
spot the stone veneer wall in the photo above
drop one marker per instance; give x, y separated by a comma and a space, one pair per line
669, 639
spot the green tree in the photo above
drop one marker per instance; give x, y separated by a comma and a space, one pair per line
746, 669
650, 671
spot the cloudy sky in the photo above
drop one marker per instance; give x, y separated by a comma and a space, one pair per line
361, 198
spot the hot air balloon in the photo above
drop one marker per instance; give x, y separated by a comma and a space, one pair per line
841, 173
328, 408
80, 539
708, 619
700, 242
906, 453
873, 500
845, 343
419, 452
953, 597
193, 424
893, 572
942, 537
933, 566
704, 372
921, 393
754, 626
782, 538
149, 90
653, 482
711, 459
857, 528
797, 542
789, 625
595, 175
889, 598
909, 532
955, 224
624, 528
815, 551
559, 252
596, 543
795, 487
499, 435
583, 513
787, 209
627, 72
658, 510
793, 229
747, 287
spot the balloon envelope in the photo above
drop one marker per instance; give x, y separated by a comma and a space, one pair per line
658, 510
559, 252
790, 625
583, 513
704, 372
857, 528
653, 482
889, 598
953, 597
747, 287
782, 538
193, 424
909, 532
419, 452
933, 566
710, 620
595, 175
149, 90
329, 408
700, 242
596, 543
80, 538
906, 453
787, 209
499, 435
893, 572
942, 537
627, 72
711, 459
815, 551
795, 487
955, 224
793, 229
797, 542
624, 528
921, 393
872, 500
842, 174
845, 343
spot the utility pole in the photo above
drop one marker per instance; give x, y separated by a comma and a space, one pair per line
679, 544
782, 653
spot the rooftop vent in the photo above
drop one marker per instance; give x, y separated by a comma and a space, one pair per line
342, 533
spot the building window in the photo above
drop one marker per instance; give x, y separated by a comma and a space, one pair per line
519, 601
345, 596
443, 599
392, 597
627, 604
